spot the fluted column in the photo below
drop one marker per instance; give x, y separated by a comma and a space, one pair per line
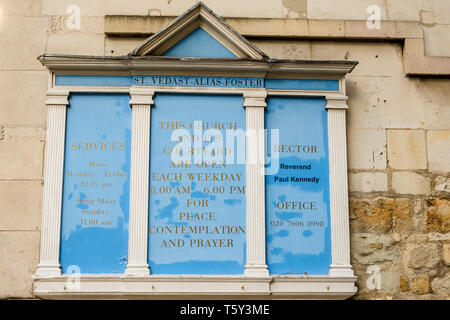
53, 184
255, 104
337, 145
141, 103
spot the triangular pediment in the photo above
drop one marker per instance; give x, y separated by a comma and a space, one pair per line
199, 32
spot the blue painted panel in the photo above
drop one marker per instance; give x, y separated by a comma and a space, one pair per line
303, 84
179, 190
298, 219
197, 81
200, 44
94, 231
85, 80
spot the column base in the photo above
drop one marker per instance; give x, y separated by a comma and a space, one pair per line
48, 270
340, 270
141, 270
256, 270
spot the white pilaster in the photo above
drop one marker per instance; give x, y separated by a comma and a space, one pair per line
141, 103
255, 104
337, 145
53, 184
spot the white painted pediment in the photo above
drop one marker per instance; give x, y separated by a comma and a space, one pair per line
199, 32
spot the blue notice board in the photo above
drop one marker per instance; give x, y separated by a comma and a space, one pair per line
297, 186
197, 185
94, 231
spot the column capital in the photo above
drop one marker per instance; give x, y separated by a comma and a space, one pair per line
255, 98
141, 96
57, 97
336, 102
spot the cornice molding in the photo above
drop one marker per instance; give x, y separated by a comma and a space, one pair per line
136, 65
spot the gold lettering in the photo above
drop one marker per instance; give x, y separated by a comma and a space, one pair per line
295, 148
296, 205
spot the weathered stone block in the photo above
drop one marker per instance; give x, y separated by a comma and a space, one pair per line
21, 55
116, 46
446, 253
434, 236
21, 158
76, 44
265, 8
366, 148
404, 284
428, 18
409, 29
415, 62
367, 108
390, 281
368, 248
406, 149
401, 216
326, 28
441, 8
233, 8
403, 10
434, 93
88, 25
285, 49
21, 205
329, 9
417, 238
420, 284
437, 40
423, 256
410, 183
438, 146
359, 29
23, 109
19, 252
419, 217
438, 215
87, 8
371, 215
294, 8
273, 27
441, 286
442, 184
375, 59
143, 26
368, 181
380, 102
380, 214
20, 8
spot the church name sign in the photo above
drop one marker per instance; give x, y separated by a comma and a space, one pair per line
210, 176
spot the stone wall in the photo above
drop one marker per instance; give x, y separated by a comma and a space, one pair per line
398, 131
